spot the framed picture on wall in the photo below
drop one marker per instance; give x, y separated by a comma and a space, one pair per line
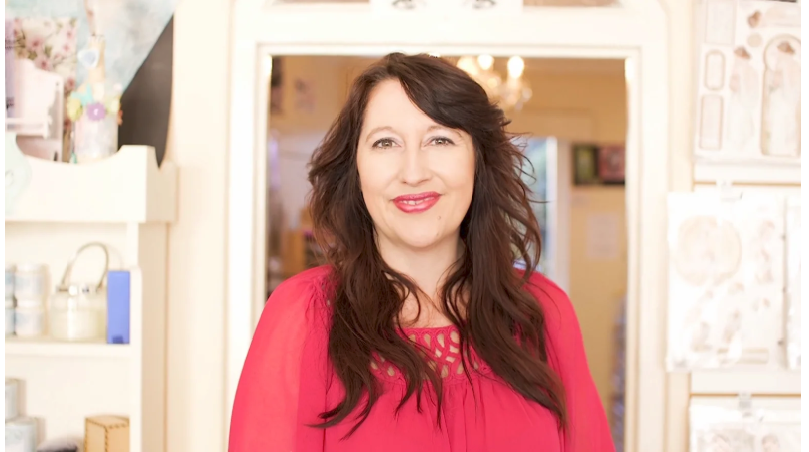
595, 164
585, 164
611, 164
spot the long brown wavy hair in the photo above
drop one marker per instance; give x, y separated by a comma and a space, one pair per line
482, 295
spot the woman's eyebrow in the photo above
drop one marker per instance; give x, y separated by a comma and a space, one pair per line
379, 129
443, 128
432, 128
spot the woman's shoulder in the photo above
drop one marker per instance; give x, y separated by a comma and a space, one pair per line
553, 300
313, 279
300, 295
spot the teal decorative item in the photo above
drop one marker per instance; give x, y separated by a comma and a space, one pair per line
18, 172
85, 96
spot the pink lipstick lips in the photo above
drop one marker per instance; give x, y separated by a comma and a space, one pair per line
416, 203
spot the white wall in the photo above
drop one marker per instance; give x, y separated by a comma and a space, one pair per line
681, 114
197, 260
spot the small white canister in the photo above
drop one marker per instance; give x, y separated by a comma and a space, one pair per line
12, 398
9, 317
21, 435
9, 282
29, 318
29, 281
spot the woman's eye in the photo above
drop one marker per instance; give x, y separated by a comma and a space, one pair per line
384, 143
441, 141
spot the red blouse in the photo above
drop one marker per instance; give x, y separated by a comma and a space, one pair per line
287, 382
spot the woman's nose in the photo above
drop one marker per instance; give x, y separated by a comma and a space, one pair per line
415, 166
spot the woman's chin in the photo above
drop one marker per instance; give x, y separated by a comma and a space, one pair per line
420, 239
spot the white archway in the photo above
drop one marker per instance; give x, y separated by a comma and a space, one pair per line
637, 32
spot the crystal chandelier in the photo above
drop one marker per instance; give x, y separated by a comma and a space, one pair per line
511, 93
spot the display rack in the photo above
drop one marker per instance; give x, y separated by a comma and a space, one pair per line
127, 203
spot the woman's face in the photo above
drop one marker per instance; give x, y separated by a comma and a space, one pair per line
416, 176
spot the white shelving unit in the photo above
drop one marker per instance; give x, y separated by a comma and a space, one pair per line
125, 202
46, 347
740, 172
782, 382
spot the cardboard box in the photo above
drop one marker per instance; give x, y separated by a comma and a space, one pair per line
106, 434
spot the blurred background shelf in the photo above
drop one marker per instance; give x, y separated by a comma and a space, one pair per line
125, 202
756, 382
46, 347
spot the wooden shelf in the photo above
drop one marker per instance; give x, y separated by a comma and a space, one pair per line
47, 347
127, 187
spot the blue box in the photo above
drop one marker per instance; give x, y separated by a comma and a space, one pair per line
118, 290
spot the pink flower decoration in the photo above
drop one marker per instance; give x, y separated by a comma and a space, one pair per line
96, 111
43, 62
36, 44
70, 84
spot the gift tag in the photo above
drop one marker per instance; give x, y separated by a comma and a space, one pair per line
88, 58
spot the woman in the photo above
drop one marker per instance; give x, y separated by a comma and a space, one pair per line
420, 335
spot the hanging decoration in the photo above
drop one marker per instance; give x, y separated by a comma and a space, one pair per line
748, 90
726, 281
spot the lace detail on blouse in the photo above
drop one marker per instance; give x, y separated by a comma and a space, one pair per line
441, 347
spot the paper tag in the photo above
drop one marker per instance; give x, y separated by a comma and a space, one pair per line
88, 58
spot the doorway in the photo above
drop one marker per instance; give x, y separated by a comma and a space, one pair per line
634, 30
571, 123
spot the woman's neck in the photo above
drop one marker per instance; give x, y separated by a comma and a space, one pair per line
428, 268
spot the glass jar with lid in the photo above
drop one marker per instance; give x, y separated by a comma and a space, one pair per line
78, 311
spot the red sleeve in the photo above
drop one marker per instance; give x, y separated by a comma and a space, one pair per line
587, 429
284, 379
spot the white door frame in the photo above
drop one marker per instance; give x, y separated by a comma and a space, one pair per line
637, 32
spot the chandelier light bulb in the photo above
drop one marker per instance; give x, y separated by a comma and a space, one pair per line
511, 93
485, 62
467, 63
515, 67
